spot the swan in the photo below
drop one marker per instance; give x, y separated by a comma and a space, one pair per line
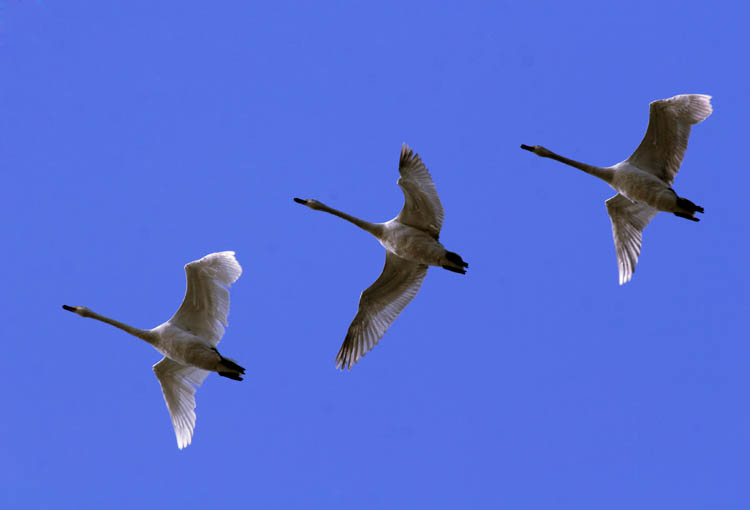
411, 245
188, 340
644, 181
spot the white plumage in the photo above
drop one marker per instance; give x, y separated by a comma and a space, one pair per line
188, 340
644, 180
411, 243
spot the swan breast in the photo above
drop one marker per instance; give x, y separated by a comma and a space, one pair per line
643, 187
411, 243
184, 347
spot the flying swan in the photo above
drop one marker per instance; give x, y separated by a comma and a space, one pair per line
188, 340
411, 245
644, 181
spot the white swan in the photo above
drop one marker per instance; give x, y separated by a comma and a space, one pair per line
644, 180
411, 243
188, 340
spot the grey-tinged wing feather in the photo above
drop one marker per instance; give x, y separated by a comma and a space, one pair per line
205, 308
178, 383
666, 140
422, 208
628, 221
379, 305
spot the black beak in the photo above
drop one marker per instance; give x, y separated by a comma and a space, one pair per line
69, 308
300, 201
528, 148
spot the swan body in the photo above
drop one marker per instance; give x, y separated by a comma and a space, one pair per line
411, 243
188, 340
186, 348
644, 181
644, 188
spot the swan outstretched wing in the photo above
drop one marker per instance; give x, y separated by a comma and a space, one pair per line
205, 308
422, 208
663, 147
379, 305
628, 221
178, 383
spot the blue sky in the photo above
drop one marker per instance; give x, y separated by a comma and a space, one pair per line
136, 137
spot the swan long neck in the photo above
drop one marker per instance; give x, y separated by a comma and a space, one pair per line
143, 334
606, 174
375, 229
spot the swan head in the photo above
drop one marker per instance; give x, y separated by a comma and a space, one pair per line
538, 150
309, 202
78, 310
